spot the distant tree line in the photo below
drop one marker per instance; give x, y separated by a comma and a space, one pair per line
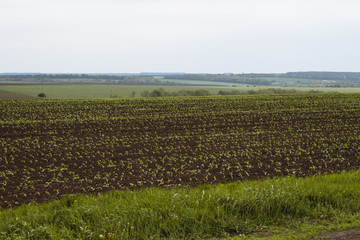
324, 75
231, 78
162, 93
80, 78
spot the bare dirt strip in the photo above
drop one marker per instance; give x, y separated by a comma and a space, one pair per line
353, 234
5, 95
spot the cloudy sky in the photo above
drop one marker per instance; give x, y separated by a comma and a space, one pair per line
215, 36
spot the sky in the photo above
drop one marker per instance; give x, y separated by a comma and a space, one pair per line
193, 36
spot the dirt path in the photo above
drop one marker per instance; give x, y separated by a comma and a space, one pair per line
349, 234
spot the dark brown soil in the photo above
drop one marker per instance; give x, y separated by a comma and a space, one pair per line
5, 95
52, 148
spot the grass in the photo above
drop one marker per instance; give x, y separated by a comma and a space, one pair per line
104, 91
204, 212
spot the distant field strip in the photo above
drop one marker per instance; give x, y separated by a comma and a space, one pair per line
5, 95
75, 91
98, 91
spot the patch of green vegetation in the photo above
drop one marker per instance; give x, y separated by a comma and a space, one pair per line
162, 93
282, 207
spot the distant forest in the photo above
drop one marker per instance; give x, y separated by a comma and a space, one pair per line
251, 79
80, 79
323, 75
335, 79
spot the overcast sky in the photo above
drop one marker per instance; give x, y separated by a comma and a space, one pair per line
215, 36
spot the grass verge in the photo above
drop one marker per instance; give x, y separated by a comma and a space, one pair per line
301, 207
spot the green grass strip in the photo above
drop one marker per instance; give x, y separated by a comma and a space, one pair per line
209, 211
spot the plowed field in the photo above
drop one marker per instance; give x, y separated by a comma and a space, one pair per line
49, 148
5, 95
